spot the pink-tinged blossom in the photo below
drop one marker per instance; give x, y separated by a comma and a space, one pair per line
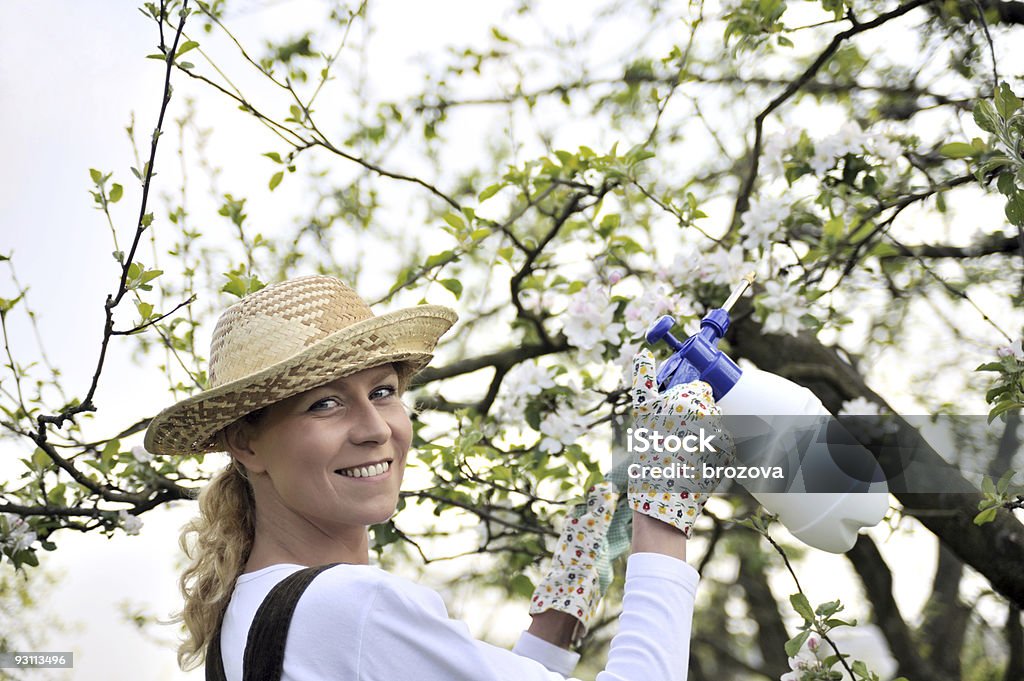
590, 318
1012, 350
656, 301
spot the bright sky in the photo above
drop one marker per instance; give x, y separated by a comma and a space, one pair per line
71, 74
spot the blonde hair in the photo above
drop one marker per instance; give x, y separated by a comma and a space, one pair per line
218, 543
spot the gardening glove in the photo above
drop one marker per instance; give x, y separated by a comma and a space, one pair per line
682, 410
573, 584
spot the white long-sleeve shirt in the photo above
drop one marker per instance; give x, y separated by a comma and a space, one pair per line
359, 623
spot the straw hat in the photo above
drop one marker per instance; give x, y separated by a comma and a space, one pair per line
289, 338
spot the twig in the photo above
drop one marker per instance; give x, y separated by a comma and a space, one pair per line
113, 300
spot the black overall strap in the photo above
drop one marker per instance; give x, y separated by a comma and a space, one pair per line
264, 647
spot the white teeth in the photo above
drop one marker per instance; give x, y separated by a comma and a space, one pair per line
366, 471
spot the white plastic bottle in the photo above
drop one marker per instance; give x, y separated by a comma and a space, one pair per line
825, 520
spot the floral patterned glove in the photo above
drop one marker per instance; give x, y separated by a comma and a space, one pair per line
573, 582
681, 411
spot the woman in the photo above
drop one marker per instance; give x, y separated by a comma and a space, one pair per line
306, 399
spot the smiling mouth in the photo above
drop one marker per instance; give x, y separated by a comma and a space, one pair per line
370, 470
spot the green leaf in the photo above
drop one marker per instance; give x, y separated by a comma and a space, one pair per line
453, 285
1003, 407
1004, 481
109, 452
520, 585
985, 516
957, 150
990, 366
116, 192
145, 309
828, 609
40, 459
97, 176
609, 223
455, 220
794, 644
490, 191
56, 495
836, 622
186, 47
147, 219
1005, 184
438, 258
150, 275
1015, 209
985, 116
802, 606
274, 156
1006, 102
276, 179
835, 227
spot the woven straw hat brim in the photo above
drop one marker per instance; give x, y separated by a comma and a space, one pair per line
406, 337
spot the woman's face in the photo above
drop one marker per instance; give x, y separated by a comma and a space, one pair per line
333, 456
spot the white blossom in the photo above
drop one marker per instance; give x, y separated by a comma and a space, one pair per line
762, 222
129, 523
784, 308
19, 533
859, 406
883, 142
848, 140
560, 428
720, 266
528, 378
775, 148
536, 301
590, 318
141, 454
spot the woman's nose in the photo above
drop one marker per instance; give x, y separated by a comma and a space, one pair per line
369, 425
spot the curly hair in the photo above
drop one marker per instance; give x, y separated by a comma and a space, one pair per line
217, 542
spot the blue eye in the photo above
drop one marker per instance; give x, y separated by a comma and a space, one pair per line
384, 391
325, 403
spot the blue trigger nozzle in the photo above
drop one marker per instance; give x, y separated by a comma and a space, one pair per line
698, 357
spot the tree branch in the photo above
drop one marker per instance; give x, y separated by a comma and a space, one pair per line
743, 197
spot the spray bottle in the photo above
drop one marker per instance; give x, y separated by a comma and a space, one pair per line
825, 520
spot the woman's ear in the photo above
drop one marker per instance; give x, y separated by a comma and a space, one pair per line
237, 441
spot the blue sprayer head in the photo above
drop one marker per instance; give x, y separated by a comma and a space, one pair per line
698, 357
